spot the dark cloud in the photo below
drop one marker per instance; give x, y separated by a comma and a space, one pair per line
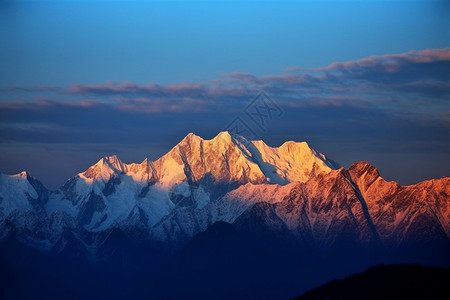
130, 88
392, 82
42, 88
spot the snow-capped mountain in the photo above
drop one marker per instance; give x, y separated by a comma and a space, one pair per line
291, 190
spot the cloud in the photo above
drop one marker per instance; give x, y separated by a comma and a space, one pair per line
292, 69
42, 102
43, 88
161, 105
412, 83
329, 101
130, 88
242, 77
391, 62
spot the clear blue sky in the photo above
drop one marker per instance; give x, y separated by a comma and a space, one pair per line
68, 67
62, 42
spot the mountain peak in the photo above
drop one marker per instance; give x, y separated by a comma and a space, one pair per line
295, 146
363, 174
112, 161
223, 141
109, 158
224, 136
23, 174
227, 157
361, 167
106, 165
191, 136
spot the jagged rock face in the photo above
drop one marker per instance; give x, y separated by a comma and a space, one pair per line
326, 208
227, 158
404, 212
193, 159
291, 191
291, 162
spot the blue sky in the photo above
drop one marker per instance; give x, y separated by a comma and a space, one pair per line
82, 79
61, 42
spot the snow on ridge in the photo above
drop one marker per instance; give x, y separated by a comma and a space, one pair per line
192, 174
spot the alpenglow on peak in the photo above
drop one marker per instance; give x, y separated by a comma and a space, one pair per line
224, 158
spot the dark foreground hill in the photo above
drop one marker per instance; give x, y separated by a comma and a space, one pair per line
387, 282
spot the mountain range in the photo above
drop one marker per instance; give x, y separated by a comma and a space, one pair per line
292, 195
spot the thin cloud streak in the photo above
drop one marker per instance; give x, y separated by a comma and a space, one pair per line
391, 62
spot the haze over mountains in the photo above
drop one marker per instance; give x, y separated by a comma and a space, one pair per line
247, 192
